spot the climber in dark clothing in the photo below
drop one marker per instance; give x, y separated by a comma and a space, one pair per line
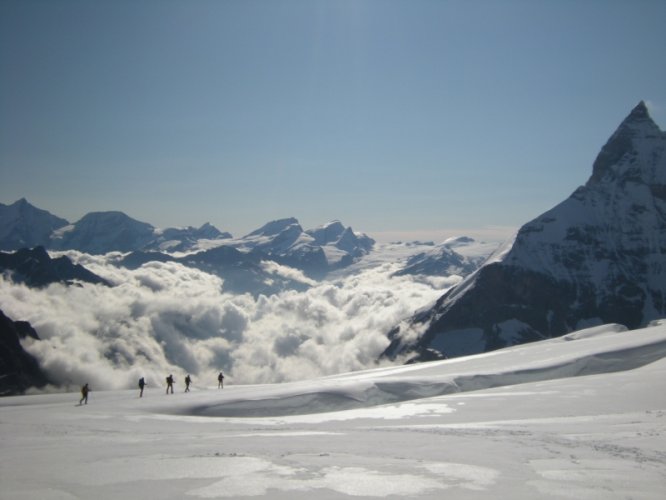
169, 381
188, 381
142, 384
84, 394
220, 381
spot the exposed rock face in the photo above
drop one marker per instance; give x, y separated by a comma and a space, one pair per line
597, 257
18, 369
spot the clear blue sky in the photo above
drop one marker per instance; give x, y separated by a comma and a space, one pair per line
437, 117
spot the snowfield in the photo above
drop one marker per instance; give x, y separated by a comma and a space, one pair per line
581, 417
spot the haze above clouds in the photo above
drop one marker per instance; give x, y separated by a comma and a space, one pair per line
429, 118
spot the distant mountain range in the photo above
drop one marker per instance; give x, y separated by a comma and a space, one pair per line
241, 261
597, 257
23, 225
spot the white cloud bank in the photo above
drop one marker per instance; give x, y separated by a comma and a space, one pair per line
167, 318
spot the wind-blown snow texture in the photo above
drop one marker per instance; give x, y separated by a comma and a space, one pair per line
598, 257
581, 416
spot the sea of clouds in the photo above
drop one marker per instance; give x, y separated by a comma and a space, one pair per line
168, 318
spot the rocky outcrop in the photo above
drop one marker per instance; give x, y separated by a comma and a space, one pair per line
36, 268
18, 369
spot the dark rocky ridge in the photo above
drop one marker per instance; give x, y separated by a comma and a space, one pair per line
36, 268
18, 369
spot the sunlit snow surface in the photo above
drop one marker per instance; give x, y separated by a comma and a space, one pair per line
580, 417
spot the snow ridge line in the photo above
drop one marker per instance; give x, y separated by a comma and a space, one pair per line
348, 396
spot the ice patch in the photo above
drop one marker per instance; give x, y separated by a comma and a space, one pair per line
471, 477
353, 481
357, 481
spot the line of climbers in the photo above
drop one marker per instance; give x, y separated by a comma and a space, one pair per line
188, 381
85, 389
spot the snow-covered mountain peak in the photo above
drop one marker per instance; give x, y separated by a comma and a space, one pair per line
208, 231
21, 204
317, 250
597, 257
347, 240
276, 227
633, 151
23, 225
343, 238
639, 114
327, 233
99, 223
620, 208
101, 232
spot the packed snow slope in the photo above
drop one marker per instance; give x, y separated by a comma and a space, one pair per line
580, 416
